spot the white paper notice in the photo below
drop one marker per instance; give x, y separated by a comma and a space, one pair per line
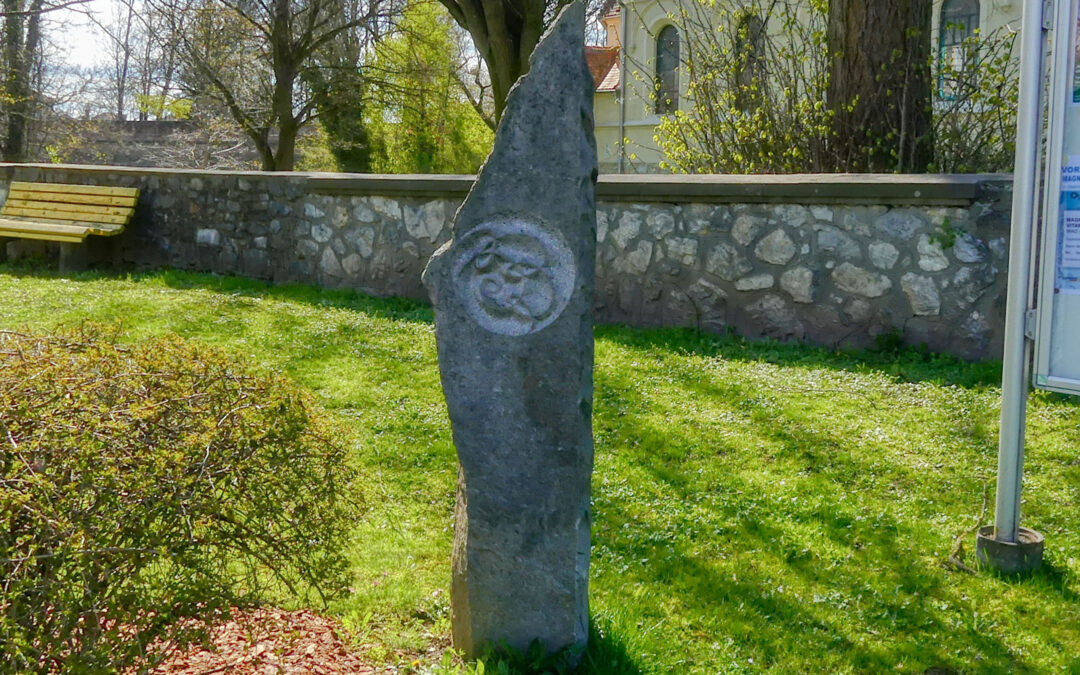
1070, 174
1070, 240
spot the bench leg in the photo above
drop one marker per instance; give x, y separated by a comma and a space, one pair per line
3, 250
73, 257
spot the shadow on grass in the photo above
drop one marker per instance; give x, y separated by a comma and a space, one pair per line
401, 309
908, 364
606, 654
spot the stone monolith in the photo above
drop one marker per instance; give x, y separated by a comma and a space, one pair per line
513, 296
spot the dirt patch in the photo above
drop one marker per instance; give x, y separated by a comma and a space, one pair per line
268, 641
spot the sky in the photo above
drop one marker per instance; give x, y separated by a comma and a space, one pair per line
75, 39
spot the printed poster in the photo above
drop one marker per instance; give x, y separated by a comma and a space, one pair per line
1068, 262
1076, 65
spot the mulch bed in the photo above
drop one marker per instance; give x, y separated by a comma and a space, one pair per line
268, 641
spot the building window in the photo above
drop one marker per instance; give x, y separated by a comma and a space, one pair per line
959, 23
667, 70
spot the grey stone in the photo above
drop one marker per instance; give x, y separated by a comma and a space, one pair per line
362, 239
822, 213
660, 221
329, 264
931, 255
839, 244
306, 248
259, 242
312, 211
1000, 248
777, 248
755, 283
862, 282
791, 215
774, 318
602, 218
513, 296
682, 249
799, 283
969, 249
628, 228
207, 237
746, 227
386, 207
883, 255
727, 263
426, 221
352, 264
900, 223
858, 310
321, 233
363, 213
969, 283
922, 294
635, 260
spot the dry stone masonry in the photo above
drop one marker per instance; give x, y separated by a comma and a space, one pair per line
715, 253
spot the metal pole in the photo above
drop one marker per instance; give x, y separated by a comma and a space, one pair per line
1014, 384
624, 31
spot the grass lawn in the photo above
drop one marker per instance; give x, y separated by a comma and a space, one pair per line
757, 506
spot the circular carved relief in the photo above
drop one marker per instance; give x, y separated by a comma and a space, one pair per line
513, 277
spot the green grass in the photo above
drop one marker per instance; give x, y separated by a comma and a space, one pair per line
757, 506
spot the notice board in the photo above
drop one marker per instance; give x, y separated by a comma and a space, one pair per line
1057, 330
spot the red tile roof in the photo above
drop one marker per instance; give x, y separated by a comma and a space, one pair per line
604, 66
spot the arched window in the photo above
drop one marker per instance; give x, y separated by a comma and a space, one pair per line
959, 22
667, 70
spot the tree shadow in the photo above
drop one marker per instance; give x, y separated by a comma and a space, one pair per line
907, 364
401, 309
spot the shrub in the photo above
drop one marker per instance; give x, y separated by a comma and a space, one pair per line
145, 485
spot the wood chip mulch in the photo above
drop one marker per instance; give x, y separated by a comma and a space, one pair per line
268, 641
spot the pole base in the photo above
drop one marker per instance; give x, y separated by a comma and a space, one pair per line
1023, 555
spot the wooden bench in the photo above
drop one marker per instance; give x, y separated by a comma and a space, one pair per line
64, 213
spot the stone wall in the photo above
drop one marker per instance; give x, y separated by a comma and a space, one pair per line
831, 260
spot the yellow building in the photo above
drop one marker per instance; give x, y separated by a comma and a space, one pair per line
626, 109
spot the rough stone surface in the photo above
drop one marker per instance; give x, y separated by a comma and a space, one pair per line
776, 248
727, 263
922, 294
883, 255
839, 244
931, 255
513, 296
204, 221
799, 283
862, 282
755, 283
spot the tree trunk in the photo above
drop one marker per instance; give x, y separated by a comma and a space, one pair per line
879, 85
505, 33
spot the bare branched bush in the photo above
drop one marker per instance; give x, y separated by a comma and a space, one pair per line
145, 487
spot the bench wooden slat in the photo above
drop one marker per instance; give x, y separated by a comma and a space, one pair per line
63, 188
65, 228
89, 209
47, 236
60, 198
50, 214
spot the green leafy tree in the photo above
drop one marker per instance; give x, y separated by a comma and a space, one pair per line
422, 121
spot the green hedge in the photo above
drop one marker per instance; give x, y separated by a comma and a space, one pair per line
148, 483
